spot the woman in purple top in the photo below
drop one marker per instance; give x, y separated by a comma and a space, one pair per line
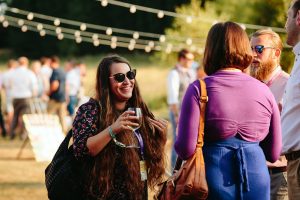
242, 125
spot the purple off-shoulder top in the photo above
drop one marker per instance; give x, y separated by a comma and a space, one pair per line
238, 105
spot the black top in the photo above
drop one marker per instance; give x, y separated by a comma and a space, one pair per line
60, 94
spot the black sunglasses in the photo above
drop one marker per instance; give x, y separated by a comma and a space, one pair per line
120, 77
260, 48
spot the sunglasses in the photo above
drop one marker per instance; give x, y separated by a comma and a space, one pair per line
260, 48
120, 77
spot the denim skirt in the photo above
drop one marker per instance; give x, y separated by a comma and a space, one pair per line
236, 169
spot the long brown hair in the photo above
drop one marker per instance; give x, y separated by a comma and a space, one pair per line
227, 45
102, 174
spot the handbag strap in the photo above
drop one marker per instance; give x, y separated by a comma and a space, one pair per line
203, 100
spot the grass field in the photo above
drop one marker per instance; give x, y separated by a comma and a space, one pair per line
23, 179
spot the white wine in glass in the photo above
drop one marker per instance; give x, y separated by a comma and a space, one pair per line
138, 113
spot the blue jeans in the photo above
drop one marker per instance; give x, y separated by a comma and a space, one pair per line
72, 104
174, 126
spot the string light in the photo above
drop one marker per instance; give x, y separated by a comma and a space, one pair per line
151, 44
24, 28
30, 16
114, 39
77, 33
188, 18
147, 49
136, 35
132, 9
56, 22
39, 27
96, 43
5, 24
162, 38
58, 30
99, 27
60, 36
83, 27
21, 22
113, 45
131, 47
78, 39
69, 34
108, 31
95, 37
104, 3
189, 41
42, 33
2, 18
160, 14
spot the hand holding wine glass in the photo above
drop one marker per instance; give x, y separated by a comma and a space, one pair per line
138, 114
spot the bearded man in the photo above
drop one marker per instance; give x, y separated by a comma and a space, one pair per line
267, 46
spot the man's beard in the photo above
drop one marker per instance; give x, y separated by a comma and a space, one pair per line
261, 70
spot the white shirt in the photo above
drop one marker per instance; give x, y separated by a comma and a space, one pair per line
46, 71
23, 83
290, 116
6, 82
73, 81
277, 83
173, 84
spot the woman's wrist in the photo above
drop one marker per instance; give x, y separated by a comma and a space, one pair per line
111, 133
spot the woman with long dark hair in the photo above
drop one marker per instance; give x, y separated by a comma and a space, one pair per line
123, 162
242, 123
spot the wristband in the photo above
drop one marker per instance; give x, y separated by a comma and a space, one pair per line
111, 133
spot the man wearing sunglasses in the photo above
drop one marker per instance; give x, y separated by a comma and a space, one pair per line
178, 80
291, 105
266, 46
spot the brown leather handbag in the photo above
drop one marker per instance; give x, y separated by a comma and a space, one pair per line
188, 180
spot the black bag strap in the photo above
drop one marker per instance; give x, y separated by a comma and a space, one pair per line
203, 100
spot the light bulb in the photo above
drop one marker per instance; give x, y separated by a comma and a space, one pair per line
77, 33
104, 3
21, 22
42, 33
83, 27
96, 43
108, 31
162, 38
160, 14
30, 16
56, 22
60, 36
132, 9
136, 35
95, 37
24, 28
39, 27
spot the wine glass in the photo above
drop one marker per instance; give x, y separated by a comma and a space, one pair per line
138, 113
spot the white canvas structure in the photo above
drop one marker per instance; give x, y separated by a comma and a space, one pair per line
45, 135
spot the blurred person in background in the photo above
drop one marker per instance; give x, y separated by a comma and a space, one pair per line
23, 88
242, 120
6, 85
73, 82
57, 92
266, 47
41, 97
177, 82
